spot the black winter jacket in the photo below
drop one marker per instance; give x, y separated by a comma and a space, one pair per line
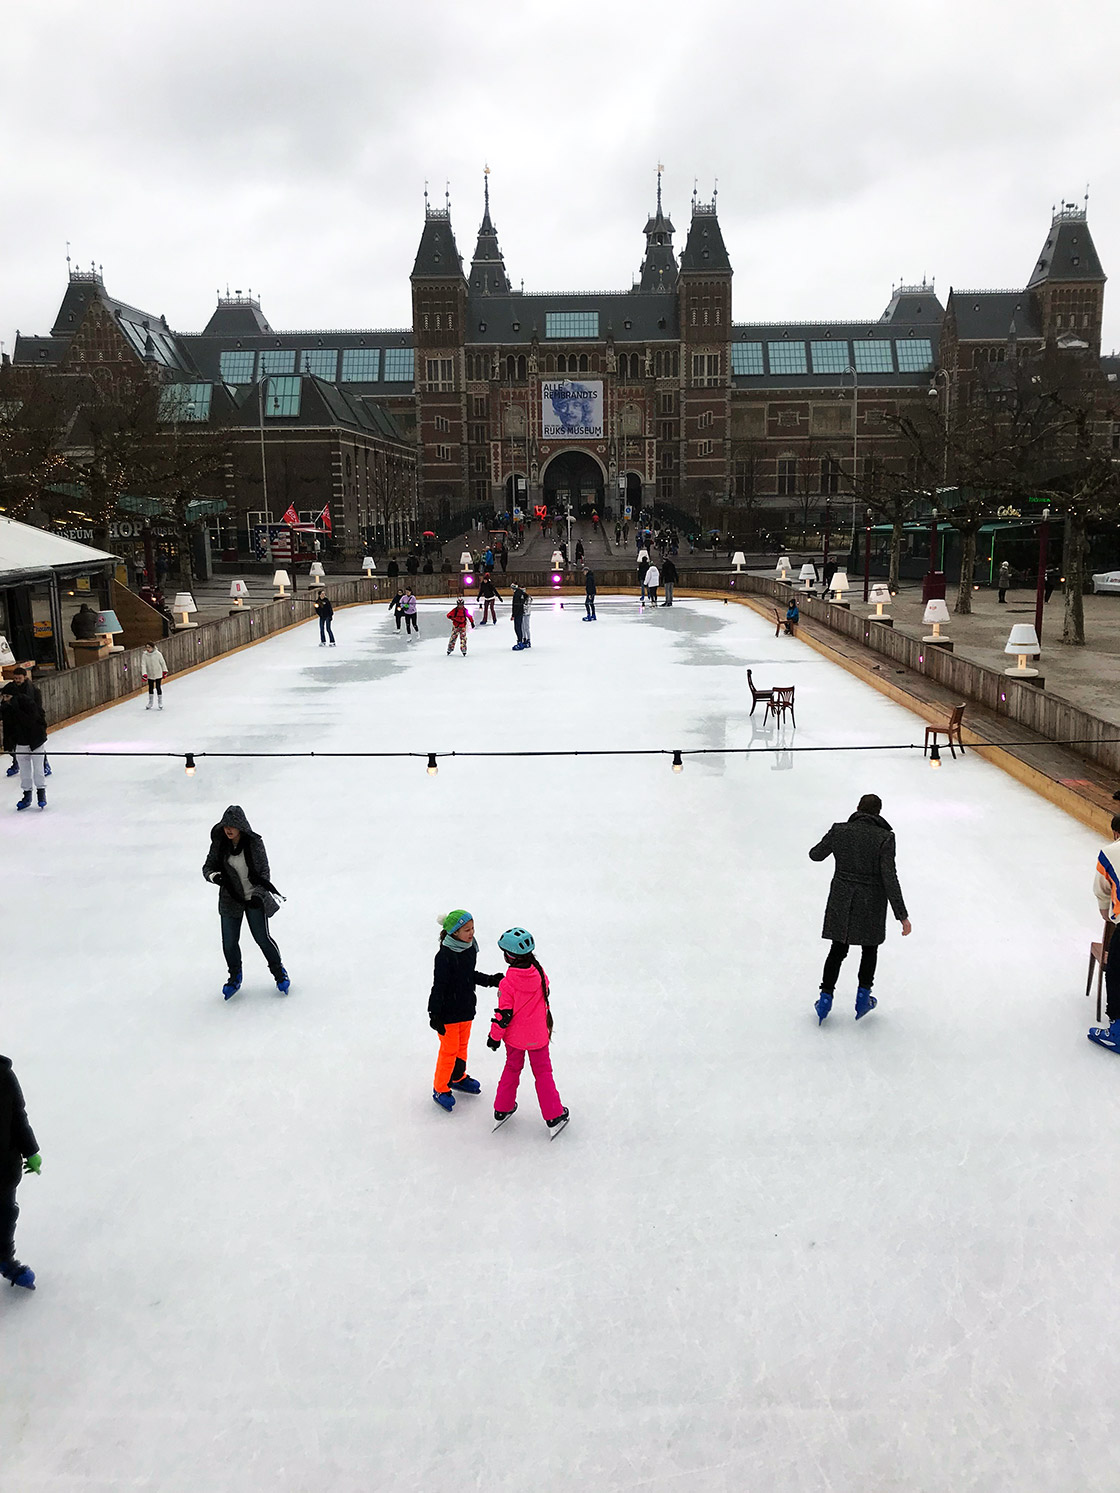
323, 608
230, 898
669, 576
23, 719
17, 1139
864, 880
453, 981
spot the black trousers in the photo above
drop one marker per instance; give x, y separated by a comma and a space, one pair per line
155, 687
325, 629
1003, 593
9, 1212
517, 627
258, 927
411, 622
836, 956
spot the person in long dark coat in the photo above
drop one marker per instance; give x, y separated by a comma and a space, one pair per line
19, 1153
863, 884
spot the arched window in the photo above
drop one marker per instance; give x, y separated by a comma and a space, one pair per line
561, 363
635, 366
583, 362
521, 367
511, 367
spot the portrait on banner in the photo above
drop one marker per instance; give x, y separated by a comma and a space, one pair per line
571, 407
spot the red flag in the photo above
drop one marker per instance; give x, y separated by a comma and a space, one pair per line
291, 517
324, 520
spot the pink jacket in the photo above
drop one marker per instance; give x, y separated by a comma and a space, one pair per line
521, 993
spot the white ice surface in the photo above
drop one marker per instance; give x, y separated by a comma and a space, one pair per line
762, 1257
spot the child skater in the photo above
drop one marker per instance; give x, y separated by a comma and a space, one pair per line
459, 617
155, 672
523, 1021
19, 1153
451, 1005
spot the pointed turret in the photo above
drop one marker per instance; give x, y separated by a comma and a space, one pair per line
488, 269
437, 257
659, 267
1067, 285
704, 248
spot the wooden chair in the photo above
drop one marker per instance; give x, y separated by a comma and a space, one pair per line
757, 694
952, 732
781, 700
1098, 955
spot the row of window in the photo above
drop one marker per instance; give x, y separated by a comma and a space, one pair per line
571, 324
360, 365
913, 355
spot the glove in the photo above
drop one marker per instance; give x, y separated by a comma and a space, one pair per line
33, 1164
215, 876
144, 677
437, 1026
503, 1017
493, 1044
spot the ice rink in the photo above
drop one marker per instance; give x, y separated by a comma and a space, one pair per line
763, 1256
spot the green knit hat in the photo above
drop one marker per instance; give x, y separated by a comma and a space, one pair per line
455, 920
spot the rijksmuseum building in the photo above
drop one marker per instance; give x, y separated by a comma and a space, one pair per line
499, 397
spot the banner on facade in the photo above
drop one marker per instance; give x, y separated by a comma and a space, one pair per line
571, 408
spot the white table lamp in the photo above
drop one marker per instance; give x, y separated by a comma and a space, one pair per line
936, 612
239, 591
7, 657
465, 561
738, 561
317, 573
184, 605
840, 584
785, 565
880, 596
281, 579
369, 567
1023, 642
108, 623
808, 576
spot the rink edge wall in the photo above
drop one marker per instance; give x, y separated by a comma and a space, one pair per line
76, 692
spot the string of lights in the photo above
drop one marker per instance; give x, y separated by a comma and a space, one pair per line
677, 754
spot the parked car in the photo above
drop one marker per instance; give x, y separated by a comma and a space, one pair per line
1107, 580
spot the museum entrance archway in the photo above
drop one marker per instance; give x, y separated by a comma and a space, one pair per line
573, 477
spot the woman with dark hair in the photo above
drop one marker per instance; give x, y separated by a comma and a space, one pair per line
238, 865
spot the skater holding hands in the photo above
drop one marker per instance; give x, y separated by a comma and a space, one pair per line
452, 1005
523, 1021
19, 1153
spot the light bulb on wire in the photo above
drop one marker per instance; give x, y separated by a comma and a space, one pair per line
678, 762
935, 756
190, 765
433, 767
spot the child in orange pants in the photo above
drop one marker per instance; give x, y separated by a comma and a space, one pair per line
451, 1006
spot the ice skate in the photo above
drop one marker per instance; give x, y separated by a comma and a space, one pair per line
148, 706
41, 797
1106, 1036
466, 1085
283, 983
18, 1275
865, 1002
558, 1123
12, 771
445, 1101
501, 1116
231, 987
25, 801
822, 1006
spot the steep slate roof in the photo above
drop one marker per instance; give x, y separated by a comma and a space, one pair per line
986, 315
438, 255
913, 304
518, 317
1068, 253
45, 351
488, 269
239, 316
321, 404
705, 249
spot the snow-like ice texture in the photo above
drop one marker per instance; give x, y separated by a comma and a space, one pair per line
763, 1256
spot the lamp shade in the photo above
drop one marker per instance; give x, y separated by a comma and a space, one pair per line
184, 602
807, 572
238, 589
465, 560
281, 578
1023, 639
317, 570
108, 622
880, 595
739, 560
785, 565
367, 563
6, 654
936, 611
840, 582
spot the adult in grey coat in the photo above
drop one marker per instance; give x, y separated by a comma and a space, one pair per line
237, 863
863, 883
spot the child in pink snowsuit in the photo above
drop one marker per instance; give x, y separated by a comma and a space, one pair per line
524, 1022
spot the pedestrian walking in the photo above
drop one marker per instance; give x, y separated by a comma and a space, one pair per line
459, 617
452, 1005
579, 551
392, 569
523, 1021
155, 672
237, 863
25, 734
489, 594
1003, 580
652, 580
1106, 886
19, 1156
324, 611
408, 606
589, 590
503, 558
618, 534
626, 532
24, 685
863, 883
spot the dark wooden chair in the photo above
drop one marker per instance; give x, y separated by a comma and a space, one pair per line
1098, 956
952, 732
757, 694
781, 700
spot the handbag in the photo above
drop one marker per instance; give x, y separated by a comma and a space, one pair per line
268, 901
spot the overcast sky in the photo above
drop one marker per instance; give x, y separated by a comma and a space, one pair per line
284, 147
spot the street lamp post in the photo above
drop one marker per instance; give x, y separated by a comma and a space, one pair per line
1040, 592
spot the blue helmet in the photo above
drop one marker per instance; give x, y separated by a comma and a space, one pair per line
517, 941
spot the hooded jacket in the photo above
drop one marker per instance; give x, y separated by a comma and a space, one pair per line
864, 880
17, 1139
230, 896
524, 991
669, 575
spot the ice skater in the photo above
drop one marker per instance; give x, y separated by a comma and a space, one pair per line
25, 733
669, 579
155, 672
411, 620
523, 1021
863, 882
652, 581
589, 592
489, 594
238, 865
24, 685
458, 616
1106, 885
324, 611
396, 606
452, 1005
19, 1153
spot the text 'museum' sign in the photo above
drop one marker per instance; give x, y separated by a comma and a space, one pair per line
571, 407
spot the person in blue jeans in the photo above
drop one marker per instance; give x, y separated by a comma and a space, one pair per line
324, 611
238, 865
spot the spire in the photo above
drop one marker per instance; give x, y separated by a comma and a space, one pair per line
488, 270
438, 254
1068, 254
704, 248
659, 267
